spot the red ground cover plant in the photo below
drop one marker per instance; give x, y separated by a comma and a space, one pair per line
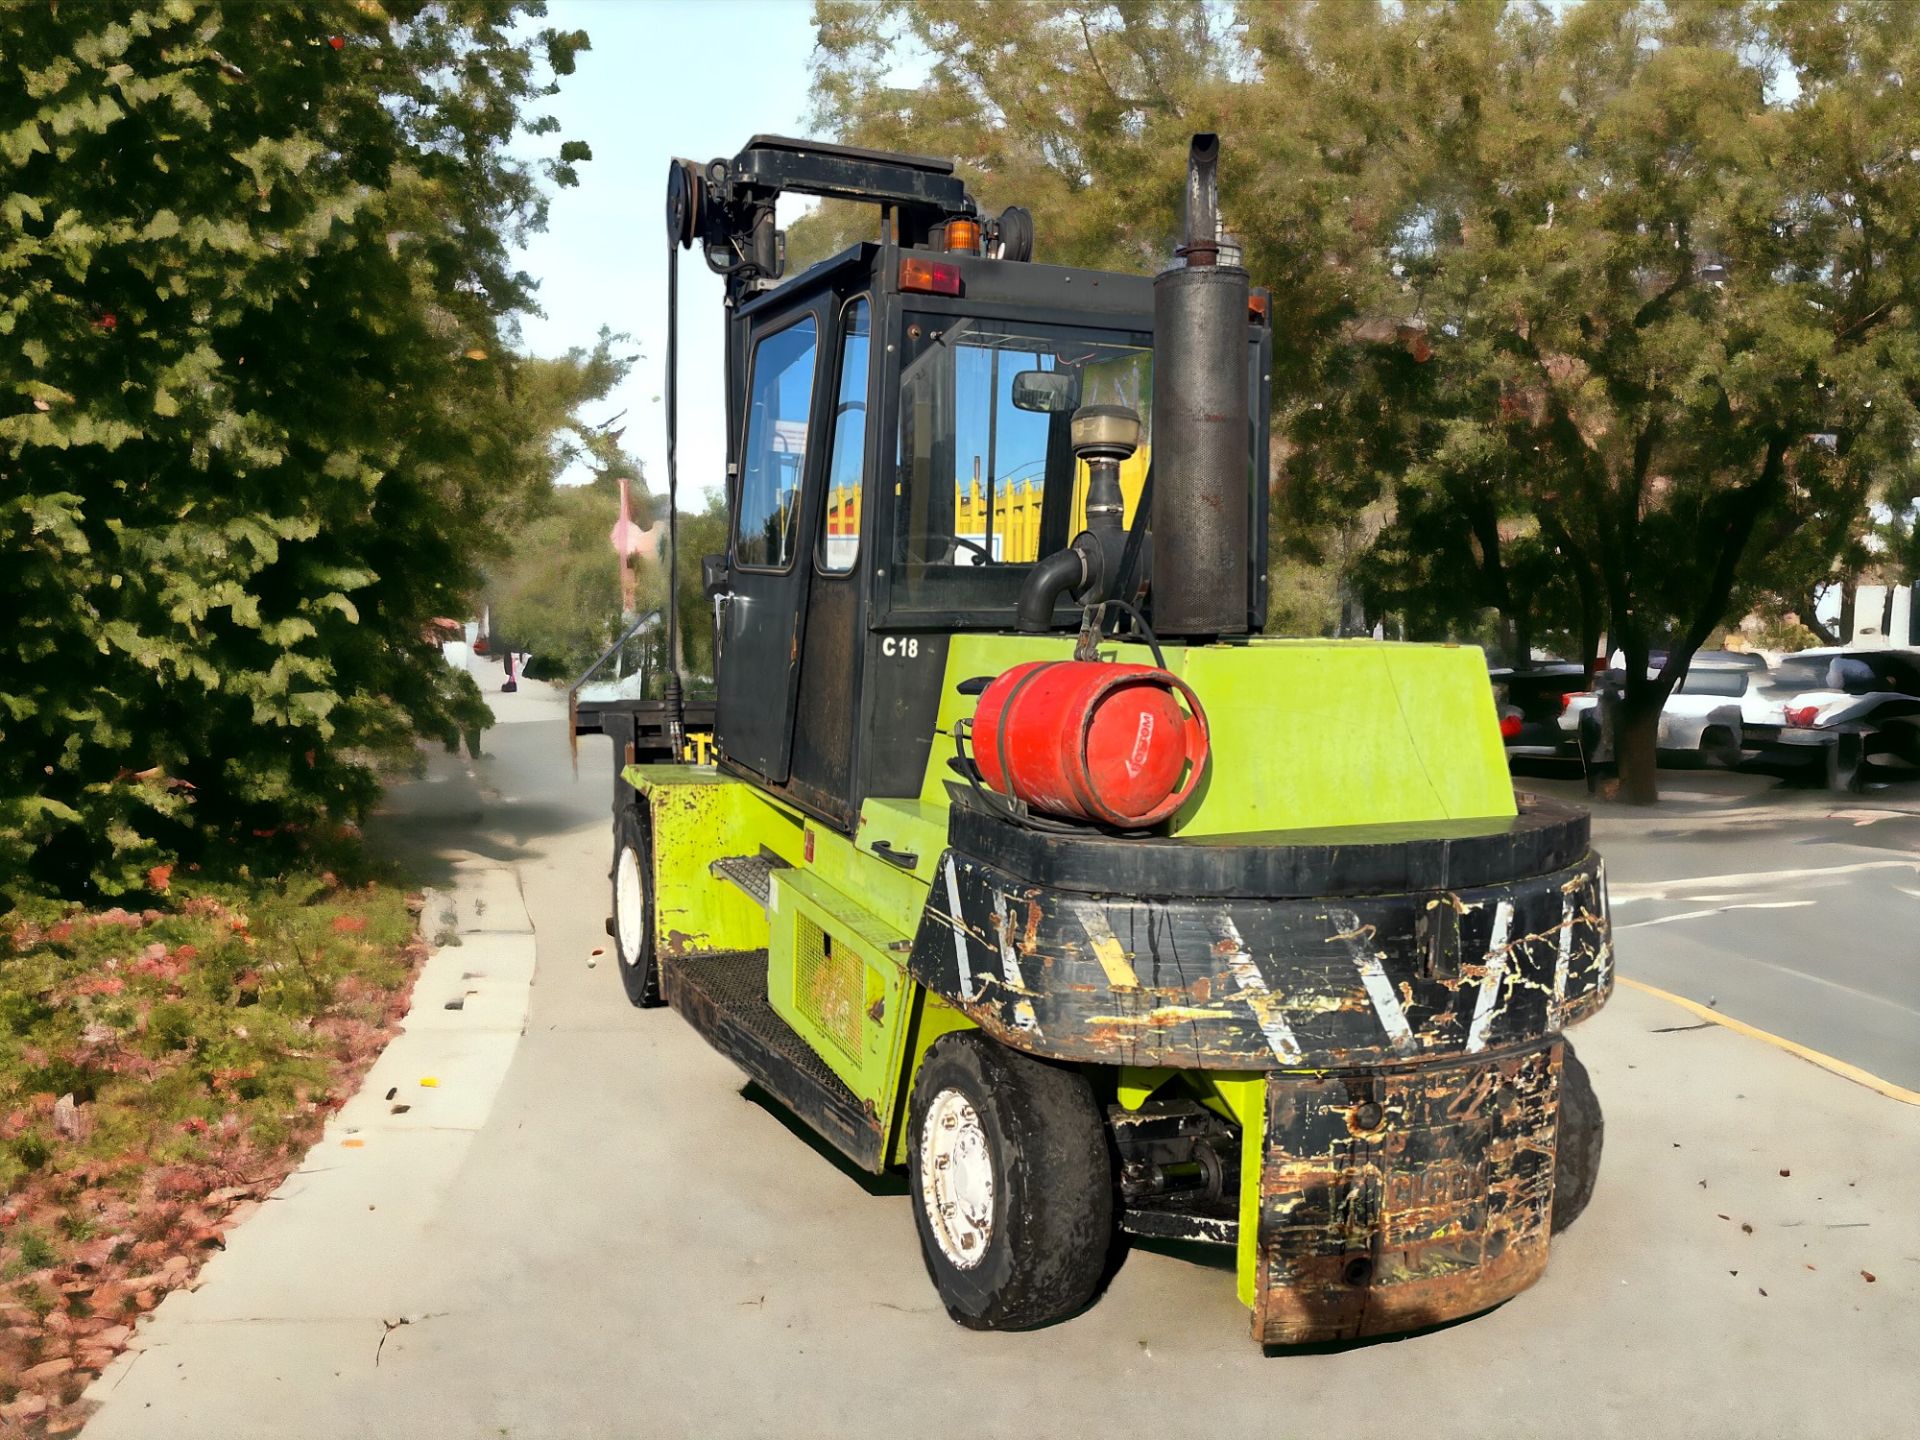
161, 1071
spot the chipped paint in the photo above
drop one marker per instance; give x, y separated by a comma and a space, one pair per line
955, 913
1358, 940
1010, 965
1266, 1006
1106, 946
1490, 981
1209, 984
1563, 955
1404, 1198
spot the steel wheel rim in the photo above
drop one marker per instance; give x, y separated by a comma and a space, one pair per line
956, 1179
629, 904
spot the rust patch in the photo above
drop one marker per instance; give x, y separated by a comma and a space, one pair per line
1397, 1200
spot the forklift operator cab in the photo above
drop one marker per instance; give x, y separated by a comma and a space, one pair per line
904, 458
1029, 865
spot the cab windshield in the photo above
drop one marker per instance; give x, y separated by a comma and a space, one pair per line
986, 482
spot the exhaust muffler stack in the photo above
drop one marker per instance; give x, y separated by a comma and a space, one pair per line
1202, 459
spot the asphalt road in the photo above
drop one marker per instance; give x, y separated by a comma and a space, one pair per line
626, 1242
1795, 910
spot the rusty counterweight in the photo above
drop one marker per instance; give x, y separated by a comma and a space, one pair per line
1410, 1042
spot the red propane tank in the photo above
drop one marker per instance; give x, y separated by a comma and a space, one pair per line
1091, 741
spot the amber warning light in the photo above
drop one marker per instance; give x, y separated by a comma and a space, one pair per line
963, 236
929, 277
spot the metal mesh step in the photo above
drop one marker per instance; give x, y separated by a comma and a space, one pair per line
751, 873
724, 996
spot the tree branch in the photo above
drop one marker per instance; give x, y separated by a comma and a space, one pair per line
1086, 34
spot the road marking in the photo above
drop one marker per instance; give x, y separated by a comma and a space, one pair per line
1721, 910
1107, 949
1792, 1047
1496, 971
959, 931
1262, 1001
1756, 880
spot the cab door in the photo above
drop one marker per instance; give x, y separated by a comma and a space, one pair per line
758, 624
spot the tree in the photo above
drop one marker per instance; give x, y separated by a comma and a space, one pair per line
256, 415
1613, 305
1682, 304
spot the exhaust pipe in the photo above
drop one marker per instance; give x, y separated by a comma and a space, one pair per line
1202, 459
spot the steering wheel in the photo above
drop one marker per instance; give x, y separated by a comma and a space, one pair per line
974, 545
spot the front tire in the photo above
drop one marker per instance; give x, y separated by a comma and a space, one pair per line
633, 929
1012, 1190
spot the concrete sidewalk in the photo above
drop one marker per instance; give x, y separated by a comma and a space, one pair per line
625, 1244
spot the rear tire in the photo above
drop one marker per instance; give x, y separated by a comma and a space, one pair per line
1582, 1132
1721, 745
1012, 1189
632, 927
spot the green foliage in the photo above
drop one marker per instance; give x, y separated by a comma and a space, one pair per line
1609, 307
556, 593
257, 418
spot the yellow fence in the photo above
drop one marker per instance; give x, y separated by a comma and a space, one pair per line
1016, 510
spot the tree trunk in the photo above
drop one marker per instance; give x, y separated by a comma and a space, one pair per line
1636, 744
1522, 637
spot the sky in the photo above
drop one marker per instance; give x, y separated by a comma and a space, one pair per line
694, 78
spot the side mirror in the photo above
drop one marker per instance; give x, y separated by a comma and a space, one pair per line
713, 575
1046, 392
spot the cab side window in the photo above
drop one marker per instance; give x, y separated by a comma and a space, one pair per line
779, 409
840, 532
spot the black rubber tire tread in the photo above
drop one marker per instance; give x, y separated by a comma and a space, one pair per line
639, 974
1053, 1218
1582, 1134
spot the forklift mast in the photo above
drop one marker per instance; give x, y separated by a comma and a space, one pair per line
727, 206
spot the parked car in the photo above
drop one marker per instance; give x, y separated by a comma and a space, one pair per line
1850, 710
1710, 714
1531, 700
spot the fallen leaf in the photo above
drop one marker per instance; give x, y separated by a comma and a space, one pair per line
1785, 1173
1746, 1228
430, 1082
1868, 1276
353, 1144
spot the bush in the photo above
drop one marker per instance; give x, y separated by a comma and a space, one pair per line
256, 425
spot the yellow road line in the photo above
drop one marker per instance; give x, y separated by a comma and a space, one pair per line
1779, 1042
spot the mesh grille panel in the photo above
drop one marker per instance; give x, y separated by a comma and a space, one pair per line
828, 985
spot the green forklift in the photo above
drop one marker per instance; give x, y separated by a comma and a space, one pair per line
1025, 863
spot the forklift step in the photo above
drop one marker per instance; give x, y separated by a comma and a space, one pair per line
751, 873
724, 997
